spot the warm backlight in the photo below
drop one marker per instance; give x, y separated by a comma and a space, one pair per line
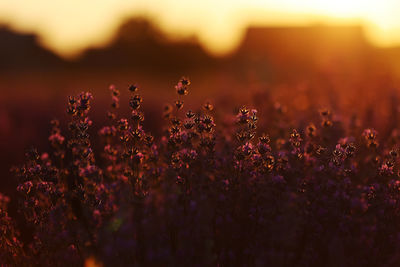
68, 26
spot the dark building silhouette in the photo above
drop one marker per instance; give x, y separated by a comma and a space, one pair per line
303, 48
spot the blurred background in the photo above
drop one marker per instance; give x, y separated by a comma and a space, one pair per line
304, 54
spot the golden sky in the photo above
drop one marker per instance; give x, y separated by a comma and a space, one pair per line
68, 26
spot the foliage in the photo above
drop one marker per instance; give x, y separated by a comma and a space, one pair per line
321, 194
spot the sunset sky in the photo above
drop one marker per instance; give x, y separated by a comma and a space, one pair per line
68, 26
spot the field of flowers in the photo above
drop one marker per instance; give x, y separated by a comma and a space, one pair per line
259, 186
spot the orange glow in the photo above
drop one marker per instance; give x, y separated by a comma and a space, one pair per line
68, 26
92, 262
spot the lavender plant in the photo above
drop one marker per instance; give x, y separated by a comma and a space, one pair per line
203, 196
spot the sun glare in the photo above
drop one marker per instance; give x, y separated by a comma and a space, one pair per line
343, 8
